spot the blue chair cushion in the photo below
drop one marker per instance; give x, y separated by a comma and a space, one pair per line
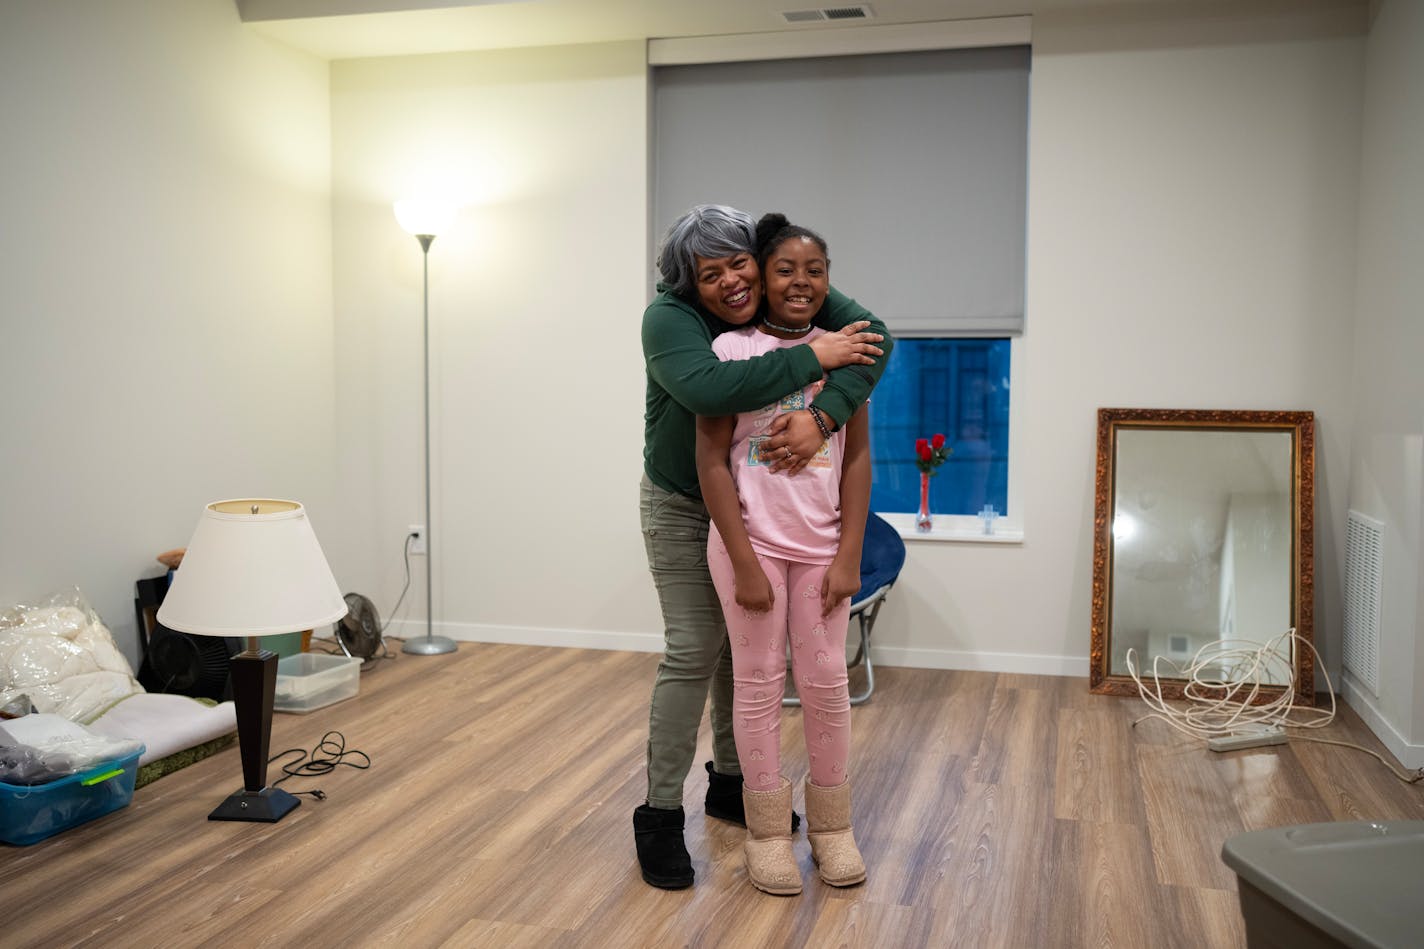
881, 557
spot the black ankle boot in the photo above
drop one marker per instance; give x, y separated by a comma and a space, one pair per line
724, 799
663, 857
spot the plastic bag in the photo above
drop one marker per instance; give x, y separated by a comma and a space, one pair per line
40, 748
63, 657
24, 765
17, 706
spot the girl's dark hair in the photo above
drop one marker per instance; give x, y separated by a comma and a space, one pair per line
774, 229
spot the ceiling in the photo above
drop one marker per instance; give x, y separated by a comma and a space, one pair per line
346, 29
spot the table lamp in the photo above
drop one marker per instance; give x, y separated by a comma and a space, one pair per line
253, 568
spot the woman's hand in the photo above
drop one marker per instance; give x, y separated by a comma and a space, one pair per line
847, 347
841, 582
793, 439
753, 589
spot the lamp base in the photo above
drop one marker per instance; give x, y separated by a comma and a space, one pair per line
429, 646
266, 806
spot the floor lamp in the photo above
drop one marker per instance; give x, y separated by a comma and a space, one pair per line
426, 219
253, 568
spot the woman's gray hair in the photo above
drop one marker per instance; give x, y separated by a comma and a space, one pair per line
708, 230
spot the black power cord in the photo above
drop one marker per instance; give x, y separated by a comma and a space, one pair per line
385, 652
400, 599
329, 754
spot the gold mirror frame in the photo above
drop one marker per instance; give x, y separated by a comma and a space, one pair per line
1301, 426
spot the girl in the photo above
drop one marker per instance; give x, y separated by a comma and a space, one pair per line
784, 553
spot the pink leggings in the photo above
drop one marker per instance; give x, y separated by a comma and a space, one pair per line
759, 669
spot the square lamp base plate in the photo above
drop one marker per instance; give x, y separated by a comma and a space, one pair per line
268, 806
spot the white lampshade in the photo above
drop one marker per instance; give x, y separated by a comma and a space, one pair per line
424, 217
253, 568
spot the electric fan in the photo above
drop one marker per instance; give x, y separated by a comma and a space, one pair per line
188, 665
359, 631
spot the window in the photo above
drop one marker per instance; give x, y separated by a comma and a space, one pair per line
914, 166
957, 387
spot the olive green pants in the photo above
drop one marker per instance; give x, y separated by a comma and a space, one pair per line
696, 654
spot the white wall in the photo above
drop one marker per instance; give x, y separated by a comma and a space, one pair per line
535, 303
1191, 244
1387, 456
165, 323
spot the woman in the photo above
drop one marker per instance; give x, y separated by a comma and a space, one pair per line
711, 283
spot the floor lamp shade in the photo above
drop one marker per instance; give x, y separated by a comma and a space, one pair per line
253, 568
424, 217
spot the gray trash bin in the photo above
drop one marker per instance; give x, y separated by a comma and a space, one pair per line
1355, 883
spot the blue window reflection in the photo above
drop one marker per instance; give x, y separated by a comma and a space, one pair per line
958, 387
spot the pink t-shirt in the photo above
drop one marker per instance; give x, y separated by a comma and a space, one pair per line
792, 517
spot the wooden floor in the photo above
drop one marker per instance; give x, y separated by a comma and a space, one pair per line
993, 810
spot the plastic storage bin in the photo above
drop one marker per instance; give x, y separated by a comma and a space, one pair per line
30, 813
312, 680
1354, 883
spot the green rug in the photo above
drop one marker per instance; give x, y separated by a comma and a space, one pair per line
181, 759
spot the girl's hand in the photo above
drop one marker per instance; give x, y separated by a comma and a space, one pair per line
793, 441
847, 347
841, 582
754, 592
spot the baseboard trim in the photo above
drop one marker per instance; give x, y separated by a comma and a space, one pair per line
1015, 662
1409, 755
532, 636
1023, 663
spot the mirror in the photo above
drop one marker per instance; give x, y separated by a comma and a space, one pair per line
1203, 533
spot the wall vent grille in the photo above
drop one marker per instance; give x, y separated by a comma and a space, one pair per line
821, 15
1364, 545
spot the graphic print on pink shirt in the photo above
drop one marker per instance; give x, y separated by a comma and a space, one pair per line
796, 517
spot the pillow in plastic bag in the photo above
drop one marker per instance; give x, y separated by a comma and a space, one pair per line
40, 748
63, 657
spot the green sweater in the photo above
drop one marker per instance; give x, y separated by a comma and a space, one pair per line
686, 379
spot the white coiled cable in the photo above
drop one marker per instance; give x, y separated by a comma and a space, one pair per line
1225, 684
1225, 692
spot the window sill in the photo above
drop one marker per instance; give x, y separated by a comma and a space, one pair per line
958, 530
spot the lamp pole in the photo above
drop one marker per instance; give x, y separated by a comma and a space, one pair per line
431, 645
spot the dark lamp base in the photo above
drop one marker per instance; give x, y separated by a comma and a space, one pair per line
268, 806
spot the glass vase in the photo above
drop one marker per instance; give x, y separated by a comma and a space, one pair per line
924, 523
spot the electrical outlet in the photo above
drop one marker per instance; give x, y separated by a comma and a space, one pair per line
417, 539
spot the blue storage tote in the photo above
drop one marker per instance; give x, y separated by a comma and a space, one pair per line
29, 814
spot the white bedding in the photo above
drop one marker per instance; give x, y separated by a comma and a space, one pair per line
62, 656
165, 723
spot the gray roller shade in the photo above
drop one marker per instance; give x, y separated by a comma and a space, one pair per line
912, 165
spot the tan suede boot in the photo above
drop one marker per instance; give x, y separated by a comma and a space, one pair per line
771, 864
832, 840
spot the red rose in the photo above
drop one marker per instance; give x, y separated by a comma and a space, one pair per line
922, 448
937, 442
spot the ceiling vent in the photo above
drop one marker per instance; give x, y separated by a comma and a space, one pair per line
824, 14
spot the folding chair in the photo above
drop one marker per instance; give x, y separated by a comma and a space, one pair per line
881, 557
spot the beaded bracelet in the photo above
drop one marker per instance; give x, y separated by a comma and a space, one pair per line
820, 422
